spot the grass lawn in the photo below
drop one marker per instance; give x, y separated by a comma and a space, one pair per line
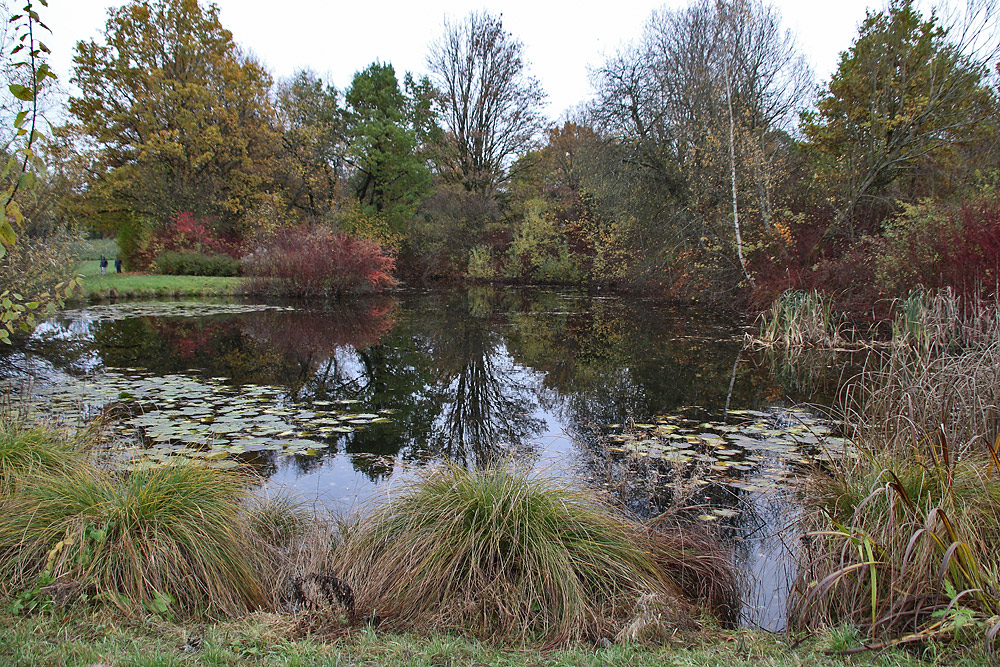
140, 285
82, 638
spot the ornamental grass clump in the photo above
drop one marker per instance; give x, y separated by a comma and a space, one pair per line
904, 537
182, 536
26, 448
501, 553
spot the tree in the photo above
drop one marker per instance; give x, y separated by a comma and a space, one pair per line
179, 119
489, 104
698, 111
35, 276
313, 142
390, 177
901, 92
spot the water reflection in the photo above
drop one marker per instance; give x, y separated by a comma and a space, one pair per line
472, 374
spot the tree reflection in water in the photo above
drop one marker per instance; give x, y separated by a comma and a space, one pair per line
468, 373
488, 402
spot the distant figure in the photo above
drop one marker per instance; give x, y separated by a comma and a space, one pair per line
118, 264
104, 265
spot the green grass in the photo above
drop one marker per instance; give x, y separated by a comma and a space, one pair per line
182, 538
499, 552
143, 286
81, 638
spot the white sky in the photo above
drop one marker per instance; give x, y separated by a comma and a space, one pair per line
562, 39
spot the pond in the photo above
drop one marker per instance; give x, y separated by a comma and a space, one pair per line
656, 407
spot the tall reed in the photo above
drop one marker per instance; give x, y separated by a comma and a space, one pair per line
904, 537
798, 318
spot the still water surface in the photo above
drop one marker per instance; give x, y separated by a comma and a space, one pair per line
334, 401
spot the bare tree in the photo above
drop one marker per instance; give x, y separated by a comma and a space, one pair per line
489, 104
702, 107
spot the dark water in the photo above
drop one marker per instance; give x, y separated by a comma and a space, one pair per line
471, 374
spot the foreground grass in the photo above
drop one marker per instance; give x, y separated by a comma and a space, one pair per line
905, 536
504, 554
142, 286
268, 639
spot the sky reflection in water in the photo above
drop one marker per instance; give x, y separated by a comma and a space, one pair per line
472, 374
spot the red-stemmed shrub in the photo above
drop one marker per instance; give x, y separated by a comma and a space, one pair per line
186, 234
932, 246
313, 261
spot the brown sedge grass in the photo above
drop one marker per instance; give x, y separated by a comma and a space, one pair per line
501, 553
26, 447
187, 533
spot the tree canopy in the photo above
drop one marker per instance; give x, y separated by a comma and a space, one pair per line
489, 104
179, 118
901, 92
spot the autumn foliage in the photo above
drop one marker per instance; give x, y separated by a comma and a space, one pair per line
314, 261
944, 246
185, 234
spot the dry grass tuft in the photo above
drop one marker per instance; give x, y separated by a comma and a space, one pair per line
500, 553
26, 448
181, 537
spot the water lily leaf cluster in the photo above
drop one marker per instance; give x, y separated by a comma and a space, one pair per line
122, 311
753, 451
160, 417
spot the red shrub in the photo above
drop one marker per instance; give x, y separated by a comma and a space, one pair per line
187, 234
312, 261
937, 246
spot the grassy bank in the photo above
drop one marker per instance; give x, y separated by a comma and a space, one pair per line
144, 286
270, 639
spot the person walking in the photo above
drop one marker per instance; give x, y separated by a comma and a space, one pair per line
118, 264
104, 265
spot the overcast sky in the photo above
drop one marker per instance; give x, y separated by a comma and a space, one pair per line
562, 39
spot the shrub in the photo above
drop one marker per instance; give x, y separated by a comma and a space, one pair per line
179, 533
135, 234
481, 263
933, 245
539, 251
35, 265
504, 553
313, 261
183, 233
196, 264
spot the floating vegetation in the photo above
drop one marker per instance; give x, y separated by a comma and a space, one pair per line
122, 311
753, 454
160, 417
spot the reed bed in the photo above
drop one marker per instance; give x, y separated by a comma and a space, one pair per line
933, 322
499, 553
800, 319
904, 537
